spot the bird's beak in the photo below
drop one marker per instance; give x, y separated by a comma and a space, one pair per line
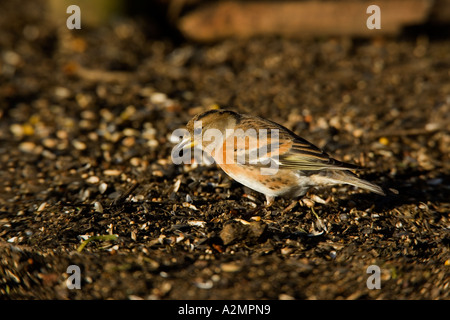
182, 152
186, 143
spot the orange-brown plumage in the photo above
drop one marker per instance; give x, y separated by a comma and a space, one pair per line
266, 156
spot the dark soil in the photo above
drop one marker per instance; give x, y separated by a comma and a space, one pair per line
85, 124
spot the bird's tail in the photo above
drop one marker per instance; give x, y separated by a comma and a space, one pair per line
347, 177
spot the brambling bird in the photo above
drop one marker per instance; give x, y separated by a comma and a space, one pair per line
265, 156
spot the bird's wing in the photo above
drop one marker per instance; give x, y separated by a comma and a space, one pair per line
280, 145
303, 155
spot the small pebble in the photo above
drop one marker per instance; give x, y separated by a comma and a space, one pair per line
357, 133
12, 58
435, 182
79, 145
93, 179
384, 141
284, 296
130, 132
286, 250
135, 161
42, 207
230, 267
197, 223
62, 92
49, 143
128, 141
149, 133
158, 98
98, 207
20, 130
176, 185
12, 240
27, 146
204, 285
153, 143
112, 172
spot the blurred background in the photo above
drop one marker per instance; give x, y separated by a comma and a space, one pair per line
86, 117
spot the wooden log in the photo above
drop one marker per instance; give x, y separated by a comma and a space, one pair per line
440, 13
219, 20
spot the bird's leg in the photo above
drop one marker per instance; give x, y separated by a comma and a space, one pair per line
260, 207
269, 200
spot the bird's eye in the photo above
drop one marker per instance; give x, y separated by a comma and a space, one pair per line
197, 131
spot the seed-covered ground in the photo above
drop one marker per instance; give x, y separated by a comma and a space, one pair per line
86, 118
